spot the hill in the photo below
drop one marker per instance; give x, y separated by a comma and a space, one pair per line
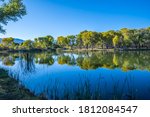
16, 40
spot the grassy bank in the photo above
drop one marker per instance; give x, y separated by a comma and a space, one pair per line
11, 90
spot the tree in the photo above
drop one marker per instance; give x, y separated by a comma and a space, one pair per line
107, 38
127, 35
44, 42
28, 44
79, 39
100, 41
62, 41
89, 38
115, 41
136, 40
10, 11
146, 37
86, 39
141, 38
72, 40
8, 42
1, 46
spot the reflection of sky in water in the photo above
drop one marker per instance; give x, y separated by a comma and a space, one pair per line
44, 77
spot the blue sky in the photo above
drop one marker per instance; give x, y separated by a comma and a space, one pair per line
64, 17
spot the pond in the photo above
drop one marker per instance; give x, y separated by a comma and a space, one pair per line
82, 75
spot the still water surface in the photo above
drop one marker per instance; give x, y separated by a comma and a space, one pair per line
91, 75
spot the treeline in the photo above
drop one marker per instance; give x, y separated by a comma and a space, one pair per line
38, 43
121, 39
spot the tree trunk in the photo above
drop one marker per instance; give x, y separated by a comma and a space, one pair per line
139, 46
102, 46
87, 47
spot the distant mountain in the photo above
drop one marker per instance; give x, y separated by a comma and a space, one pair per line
16, 40
19, 41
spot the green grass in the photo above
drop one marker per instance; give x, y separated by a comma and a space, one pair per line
11, 90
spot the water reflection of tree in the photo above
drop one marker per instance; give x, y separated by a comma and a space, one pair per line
44, 58
26, 63
8, 61
124, 60
66, 59
89, 60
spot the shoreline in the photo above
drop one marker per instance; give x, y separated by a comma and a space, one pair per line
74, 50
11, 90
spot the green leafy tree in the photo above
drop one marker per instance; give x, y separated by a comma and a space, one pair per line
44, 42
127, 36
100, 41
1, 46
10, 11
72, 40
86, 39
115, 41
8, 42
95, 38
27, 45
62, 41
89, 39
108, 37
79, 39
145, 35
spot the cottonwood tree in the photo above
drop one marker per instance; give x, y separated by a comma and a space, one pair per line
44, 42
10, 10
28, 44
62, 41
72, 40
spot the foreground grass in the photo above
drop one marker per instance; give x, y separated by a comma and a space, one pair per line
11, 90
